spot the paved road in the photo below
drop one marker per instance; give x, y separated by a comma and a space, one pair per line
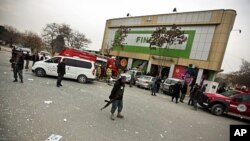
74, 113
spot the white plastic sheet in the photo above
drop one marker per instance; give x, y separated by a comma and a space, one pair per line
54, 137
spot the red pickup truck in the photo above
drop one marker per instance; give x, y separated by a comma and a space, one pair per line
232, 101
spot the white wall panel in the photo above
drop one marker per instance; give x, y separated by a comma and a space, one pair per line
204, 55
192, 55
198, 55
195, 17
189, 18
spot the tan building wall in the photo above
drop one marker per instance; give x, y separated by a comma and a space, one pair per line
223, 21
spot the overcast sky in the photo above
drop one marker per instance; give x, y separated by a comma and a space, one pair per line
89, 17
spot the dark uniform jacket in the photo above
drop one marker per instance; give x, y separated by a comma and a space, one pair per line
184, 88
197, 94
35, 57
61, 68
117, 91
177, 89
20, 63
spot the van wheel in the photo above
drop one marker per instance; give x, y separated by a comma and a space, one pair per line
82, 79
217, 109
40, 72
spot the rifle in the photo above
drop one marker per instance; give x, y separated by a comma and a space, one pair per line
108, 103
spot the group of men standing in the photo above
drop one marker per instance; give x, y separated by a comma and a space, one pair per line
17, 62
102, 72
180, 90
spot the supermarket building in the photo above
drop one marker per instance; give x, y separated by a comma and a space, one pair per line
207, 35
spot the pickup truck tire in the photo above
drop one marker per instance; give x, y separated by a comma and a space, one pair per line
40, 72
82, 79
217, 109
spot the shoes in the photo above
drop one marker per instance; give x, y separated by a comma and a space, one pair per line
112, 117
120, 116
58, 85
176, 102
22, 81
15, 80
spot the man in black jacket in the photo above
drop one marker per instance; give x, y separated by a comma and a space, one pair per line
61, 72
35, 58
183, 92
197, 96
116, 96
177, 89
18, 69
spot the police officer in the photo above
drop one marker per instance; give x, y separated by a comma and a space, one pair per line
18, 69
132, 79
109, 73
177, 89
61, 72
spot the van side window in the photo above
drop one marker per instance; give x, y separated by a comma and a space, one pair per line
83, 64
70, 62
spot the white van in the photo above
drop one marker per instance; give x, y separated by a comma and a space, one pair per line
76, 68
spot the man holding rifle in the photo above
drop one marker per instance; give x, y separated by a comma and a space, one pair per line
116, 97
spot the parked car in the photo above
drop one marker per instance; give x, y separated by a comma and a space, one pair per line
24, 50
128, 74
232, 101
167, 86
76, 68
145, 81
47, 54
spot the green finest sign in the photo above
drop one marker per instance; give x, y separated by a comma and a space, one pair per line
136, 41
141, 39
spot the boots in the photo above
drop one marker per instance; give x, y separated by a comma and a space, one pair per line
112, 117
119, 115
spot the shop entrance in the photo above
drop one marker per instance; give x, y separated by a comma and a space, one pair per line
155, 70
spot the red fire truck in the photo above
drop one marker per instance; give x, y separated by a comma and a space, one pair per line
78, 53
98, 59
